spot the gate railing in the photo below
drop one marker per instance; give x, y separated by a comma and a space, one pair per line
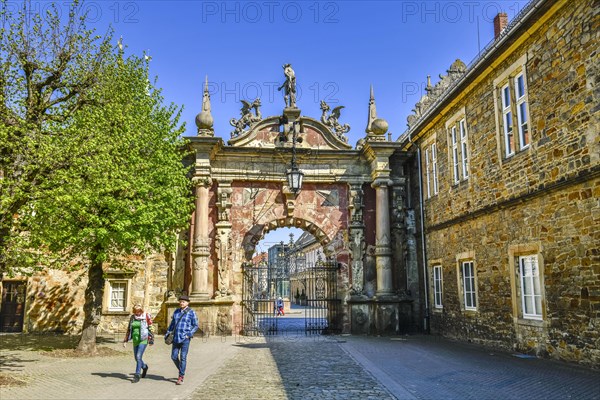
320, 312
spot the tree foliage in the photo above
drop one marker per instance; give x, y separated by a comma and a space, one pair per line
126, 191
48, 71
91, 159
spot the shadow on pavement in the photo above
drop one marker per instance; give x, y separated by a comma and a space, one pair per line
44, 342
12, 362
116, 375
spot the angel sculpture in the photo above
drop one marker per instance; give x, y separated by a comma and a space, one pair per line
248, 119
331, 120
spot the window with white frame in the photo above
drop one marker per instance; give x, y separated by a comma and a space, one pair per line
427, 177
434, 168
468, 285
431, 170
531, 290
507, 124
513, 112
522, 120
464, 153
437, 286
454, 150
118, 296
458, 147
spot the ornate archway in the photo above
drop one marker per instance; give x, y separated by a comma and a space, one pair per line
242, 192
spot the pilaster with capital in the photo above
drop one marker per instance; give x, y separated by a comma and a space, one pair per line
383, 251
378, 153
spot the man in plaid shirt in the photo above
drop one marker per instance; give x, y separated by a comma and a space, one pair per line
183, 326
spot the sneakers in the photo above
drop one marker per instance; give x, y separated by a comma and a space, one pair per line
180, 381
144, 371
136, 378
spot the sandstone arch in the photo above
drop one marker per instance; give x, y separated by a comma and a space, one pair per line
241, 193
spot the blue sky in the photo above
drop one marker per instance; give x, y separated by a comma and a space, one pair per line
337, 49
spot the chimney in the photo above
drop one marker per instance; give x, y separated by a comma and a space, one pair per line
500, 22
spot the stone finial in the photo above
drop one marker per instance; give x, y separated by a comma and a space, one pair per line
429, 88
380, 127
372, 112
204, 120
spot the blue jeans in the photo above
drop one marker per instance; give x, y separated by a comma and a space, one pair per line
179, 355
138, 353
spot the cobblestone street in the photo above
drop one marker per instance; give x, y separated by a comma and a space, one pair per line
291, 368
297, 367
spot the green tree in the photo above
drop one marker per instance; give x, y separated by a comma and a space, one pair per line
113, 182
48, 70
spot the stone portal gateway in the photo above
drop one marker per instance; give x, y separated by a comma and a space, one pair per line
352, 200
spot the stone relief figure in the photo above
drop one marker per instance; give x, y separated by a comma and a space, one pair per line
289, 86
356, 197
248, 119
358, 249
223, 206
223, 326
370, 283
222, 247
331, 121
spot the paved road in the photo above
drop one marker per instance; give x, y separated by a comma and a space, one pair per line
298, 367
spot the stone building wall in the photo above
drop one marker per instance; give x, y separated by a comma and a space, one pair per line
542, 200
55, 301
55, 298
561, 74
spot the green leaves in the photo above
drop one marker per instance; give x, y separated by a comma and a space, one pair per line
90, 158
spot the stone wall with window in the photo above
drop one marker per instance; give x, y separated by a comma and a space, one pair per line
526, 213
55, 298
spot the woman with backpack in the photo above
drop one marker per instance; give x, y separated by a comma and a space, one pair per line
139, 331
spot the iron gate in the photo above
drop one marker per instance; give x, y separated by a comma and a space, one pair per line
317, 310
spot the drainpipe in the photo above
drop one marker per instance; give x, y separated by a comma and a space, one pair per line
422, 212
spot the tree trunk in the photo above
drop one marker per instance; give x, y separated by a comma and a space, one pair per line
92, 307
3, 237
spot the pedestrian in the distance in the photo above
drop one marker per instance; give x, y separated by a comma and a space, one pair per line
139, 331
280, 306
183, 326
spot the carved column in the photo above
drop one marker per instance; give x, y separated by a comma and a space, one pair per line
201, 251
357, 238
383, 252
223, 246
398, 232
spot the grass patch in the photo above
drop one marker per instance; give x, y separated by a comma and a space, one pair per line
74, 353
8, 380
